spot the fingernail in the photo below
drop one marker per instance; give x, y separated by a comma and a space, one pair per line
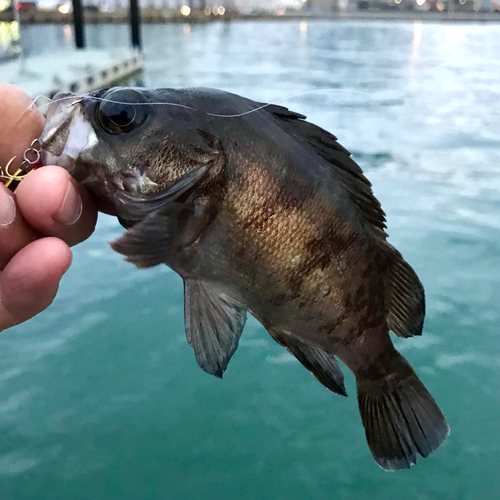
7, 209
71, 207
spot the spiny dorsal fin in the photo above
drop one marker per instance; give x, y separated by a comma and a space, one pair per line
347, 171
321, 364
404, 297
214, 322
404, 293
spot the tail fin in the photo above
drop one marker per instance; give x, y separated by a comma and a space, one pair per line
400, 417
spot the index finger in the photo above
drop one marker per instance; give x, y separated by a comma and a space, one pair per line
20, 123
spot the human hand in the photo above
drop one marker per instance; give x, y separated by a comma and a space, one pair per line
48, 213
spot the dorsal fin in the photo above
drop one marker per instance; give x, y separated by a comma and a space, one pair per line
345, 169
404, 294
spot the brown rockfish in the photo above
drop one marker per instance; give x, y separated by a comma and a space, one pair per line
259, 211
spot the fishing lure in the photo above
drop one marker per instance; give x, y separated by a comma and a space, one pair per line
31, 161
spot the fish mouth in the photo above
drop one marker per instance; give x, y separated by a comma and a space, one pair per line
66, 133
68, 141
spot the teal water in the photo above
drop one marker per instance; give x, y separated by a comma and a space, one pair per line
101, 397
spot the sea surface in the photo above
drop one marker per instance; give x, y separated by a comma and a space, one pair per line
101, 397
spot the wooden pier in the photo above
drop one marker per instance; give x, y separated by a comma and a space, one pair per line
76, 71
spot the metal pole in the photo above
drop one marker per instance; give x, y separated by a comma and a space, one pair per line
79, 24
135, 24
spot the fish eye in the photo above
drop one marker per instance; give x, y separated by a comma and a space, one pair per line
121, 111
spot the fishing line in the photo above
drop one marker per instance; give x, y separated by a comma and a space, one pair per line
190, 108
74, 99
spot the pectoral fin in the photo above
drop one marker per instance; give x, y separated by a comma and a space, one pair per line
163, 233
214, 322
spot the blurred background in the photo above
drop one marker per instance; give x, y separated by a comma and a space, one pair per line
101, 397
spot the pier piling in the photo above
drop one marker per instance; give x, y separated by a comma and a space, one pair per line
135, 24
79, 24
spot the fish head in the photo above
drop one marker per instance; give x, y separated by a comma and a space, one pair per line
124, 146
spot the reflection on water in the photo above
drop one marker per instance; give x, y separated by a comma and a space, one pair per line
68, 32
417, 37
101, 397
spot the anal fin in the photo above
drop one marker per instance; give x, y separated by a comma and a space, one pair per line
214, 322
323, 365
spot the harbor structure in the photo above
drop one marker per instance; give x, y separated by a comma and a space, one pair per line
76, 70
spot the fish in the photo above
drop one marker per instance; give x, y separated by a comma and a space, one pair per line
264, 213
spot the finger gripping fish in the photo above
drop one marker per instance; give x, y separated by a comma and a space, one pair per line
259, 211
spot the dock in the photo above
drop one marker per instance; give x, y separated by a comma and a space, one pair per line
76, 71
151, 15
